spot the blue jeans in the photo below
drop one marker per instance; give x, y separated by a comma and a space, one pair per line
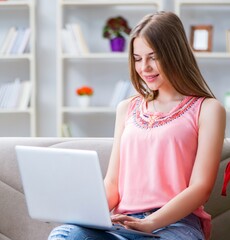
188, 228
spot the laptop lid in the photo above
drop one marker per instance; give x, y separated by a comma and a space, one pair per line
66, 186
57, 181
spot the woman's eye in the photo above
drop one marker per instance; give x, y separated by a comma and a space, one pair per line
137, 59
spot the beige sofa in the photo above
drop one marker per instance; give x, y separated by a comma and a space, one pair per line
15, 224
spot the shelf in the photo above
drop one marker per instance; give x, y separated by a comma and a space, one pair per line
15, 4
203, 2
111, 2
223, 55
79, 110
95, 56
6, 111
124, 56
15, 57
179, 3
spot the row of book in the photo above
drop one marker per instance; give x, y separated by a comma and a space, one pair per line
15, 95
16, 41
73, 41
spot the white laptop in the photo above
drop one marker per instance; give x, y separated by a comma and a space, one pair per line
65, 186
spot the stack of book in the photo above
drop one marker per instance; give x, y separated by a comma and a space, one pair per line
16, 41
73, 41
228, 40
15, 95
66, 132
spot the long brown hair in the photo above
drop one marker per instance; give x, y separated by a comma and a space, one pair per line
164, 32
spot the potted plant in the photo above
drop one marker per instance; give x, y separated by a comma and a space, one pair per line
115, 30
84, 93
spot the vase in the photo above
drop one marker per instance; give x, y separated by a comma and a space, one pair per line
117, 44
84, 101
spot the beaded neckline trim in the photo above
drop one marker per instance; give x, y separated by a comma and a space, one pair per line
148, 120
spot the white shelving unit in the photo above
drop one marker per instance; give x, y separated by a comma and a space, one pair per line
215, 64
100, 68
15, 122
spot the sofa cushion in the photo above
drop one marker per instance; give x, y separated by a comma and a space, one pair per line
2, 237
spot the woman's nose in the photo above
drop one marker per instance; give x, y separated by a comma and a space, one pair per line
145, 66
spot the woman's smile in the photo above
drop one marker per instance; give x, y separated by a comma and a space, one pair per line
150, 78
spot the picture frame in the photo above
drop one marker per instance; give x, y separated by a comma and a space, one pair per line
201, 38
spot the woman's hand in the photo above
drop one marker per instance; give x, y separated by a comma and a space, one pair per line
144, 225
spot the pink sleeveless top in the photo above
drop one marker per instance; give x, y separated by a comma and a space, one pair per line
157, 154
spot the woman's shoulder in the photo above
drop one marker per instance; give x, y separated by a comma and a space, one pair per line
210, 104
125, 104
212, 108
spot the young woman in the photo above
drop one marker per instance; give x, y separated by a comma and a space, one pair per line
167, 143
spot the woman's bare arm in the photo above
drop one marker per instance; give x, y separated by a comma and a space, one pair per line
111, 178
